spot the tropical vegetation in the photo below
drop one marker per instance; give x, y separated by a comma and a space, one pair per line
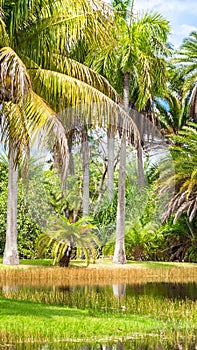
101, 89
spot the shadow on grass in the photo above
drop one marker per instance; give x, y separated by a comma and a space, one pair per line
24, 308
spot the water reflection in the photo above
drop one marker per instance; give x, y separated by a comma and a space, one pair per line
135, 344
180, 291
119, 289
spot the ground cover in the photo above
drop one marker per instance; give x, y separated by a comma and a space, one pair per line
25, 322
53, 309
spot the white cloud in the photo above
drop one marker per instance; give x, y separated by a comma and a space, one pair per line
182, 17
186, 29
179, 6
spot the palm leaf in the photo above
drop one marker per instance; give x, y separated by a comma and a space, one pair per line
15, 83
90, 106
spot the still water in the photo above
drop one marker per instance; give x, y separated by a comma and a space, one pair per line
180, 291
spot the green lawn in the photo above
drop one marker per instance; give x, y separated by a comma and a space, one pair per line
106, 263
22, 321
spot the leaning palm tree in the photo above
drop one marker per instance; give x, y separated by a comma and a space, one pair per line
37, 42
66, 238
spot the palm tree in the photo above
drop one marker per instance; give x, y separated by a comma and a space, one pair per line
65, 237
172, 111
137, 56
22, 112
184, 179
186, 60
37, 42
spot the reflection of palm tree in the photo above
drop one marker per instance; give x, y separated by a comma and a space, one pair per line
119, 289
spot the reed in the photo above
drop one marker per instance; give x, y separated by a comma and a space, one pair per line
76, 276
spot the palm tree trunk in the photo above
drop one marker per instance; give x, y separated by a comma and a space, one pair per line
86, 172
141, 180
119, 252
65, 260
110, 165
71, 167
10, 256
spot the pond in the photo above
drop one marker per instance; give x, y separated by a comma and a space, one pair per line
170, 300
83, 295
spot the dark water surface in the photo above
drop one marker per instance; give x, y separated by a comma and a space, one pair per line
180, 291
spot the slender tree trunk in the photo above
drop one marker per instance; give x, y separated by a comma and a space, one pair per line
119, 252
71, 160
10, 256
141, 180
110, 165
86, 172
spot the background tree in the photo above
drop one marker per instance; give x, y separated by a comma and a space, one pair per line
34, 33
185, 177
186, 61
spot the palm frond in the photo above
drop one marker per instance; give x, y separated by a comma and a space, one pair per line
15, 82
185, 177
4, 38
62, 233
89, 105
58, 26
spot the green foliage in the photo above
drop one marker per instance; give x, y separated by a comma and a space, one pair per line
105, 220
184, 152
62, 234
33, 208
143, 242
180, 240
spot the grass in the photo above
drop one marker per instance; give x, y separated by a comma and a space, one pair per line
23, 321
104, 263
62, 312
102, 272
35, 321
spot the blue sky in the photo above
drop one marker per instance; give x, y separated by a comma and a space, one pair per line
181, 14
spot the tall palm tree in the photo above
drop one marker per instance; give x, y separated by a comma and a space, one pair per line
37, 42
23, 113
137, 56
